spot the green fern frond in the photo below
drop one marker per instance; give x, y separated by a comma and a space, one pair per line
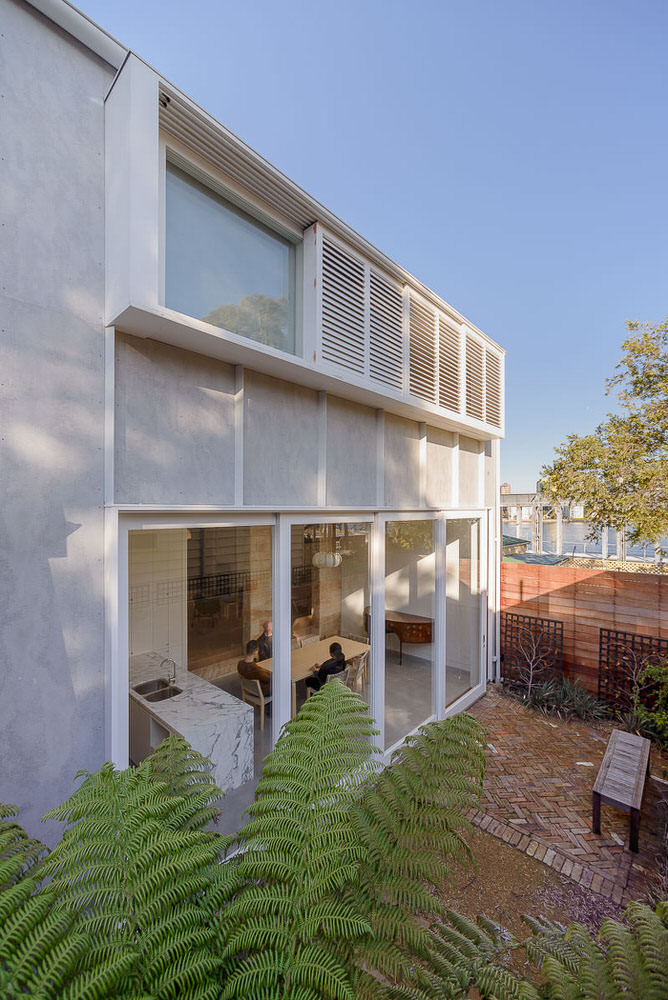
135, 867
412, 825
299, 854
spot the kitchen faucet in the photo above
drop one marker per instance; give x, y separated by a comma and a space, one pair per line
171, 677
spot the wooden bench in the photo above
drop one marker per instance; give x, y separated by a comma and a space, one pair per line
621, 779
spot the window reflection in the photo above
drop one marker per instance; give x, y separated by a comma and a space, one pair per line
410, 580
226, 268
463, 607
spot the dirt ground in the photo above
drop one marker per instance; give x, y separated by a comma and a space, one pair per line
506, 883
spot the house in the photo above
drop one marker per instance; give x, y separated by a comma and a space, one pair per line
225, 414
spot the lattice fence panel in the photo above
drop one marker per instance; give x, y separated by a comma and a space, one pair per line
621, 657
533, 649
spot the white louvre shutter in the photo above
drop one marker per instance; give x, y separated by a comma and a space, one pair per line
422, 345
342, 307
492, 388
474, 378
449, 360
386, 331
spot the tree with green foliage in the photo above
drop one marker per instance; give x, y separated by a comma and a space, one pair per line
620, 471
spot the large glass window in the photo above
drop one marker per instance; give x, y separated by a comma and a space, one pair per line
463, 626
200, 621
330, 608
226, 268
410, 580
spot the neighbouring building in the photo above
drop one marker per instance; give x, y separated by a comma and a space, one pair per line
221, 408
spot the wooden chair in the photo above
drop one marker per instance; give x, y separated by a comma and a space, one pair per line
357, 672
251, 691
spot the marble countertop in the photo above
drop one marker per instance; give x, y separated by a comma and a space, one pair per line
213, 721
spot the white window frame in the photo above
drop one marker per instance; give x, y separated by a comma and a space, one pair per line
204, 173
119, 522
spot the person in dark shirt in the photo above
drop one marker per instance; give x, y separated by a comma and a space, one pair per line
251, 670
265, 642
336, 664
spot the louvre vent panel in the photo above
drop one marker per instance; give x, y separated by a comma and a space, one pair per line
449, 365
422, 345
474, 379
492, 388
342, 307
386, 331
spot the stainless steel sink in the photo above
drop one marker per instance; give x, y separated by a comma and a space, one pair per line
162, 693
148, 687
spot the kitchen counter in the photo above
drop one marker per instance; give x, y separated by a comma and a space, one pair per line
215, 723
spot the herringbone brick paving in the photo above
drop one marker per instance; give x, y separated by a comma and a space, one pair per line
537, 797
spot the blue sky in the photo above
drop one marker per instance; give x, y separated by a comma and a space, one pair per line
513, 156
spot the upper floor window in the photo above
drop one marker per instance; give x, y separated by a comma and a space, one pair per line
225, 267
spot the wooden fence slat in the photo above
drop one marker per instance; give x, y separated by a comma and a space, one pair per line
586, 600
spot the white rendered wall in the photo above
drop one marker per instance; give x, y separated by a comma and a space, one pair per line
52, 687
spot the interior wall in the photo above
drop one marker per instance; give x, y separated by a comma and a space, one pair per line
157, 562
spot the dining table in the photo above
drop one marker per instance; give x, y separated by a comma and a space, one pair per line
304, 659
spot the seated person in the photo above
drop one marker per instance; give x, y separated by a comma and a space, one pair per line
336, 664
264, 642
251, 670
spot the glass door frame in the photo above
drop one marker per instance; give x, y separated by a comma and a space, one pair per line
118, 618
477, 690
283, 596
378, 619
118, 523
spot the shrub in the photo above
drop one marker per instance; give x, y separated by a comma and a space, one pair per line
565, 698
652, 710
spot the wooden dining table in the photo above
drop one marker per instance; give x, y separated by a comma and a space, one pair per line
305, 657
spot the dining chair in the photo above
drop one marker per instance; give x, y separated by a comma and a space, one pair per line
251, 692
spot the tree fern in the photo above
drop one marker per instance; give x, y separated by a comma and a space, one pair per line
132, 872
411, 825
42, 954
300, 851
340, 856
625, 962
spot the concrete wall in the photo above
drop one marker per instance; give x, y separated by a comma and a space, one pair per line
402, 462
350, 454
469, 457
174, 437
280, 442
175, 441
440, 487
52, 695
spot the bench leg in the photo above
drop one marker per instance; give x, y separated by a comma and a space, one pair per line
634, 826
596, 812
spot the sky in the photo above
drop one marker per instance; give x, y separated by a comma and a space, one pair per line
511, 155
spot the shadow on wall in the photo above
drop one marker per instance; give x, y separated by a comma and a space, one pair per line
586, 600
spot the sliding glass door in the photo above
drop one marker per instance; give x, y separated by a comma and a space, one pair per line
463, 607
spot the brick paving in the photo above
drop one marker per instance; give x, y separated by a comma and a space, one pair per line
537, 798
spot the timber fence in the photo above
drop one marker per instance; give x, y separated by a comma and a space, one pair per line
585, 601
